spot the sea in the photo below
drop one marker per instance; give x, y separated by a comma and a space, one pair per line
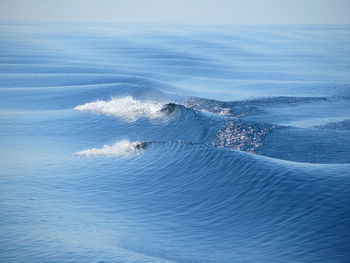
174, 143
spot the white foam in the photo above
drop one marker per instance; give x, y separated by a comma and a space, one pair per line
124, 107
120, 148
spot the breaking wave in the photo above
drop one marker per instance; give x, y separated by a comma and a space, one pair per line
120, 148
124, 107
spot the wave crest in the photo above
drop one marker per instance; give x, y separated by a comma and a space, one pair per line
125, 107
120, 148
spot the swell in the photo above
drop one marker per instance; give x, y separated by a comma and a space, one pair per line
126, 147
69, 79
220, 124
255, 206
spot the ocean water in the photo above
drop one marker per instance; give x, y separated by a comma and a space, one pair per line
163, 143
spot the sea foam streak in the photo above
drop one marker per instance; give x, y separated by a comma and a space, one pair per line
120, 148
124, 107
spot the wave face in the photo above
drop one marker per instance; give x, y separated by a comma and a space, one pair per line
133, 143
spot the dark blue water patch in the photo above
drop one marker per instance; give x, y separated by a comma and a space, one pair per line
336, 125
305, 115
307, 145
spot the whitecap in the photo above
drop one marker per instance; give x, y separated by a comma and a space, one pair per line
124, 107
120, 148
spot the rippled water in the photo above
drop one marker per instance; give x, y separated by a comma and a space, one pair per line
135, 143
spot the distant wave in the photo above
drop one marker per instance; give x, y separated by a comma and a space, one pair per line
120, 148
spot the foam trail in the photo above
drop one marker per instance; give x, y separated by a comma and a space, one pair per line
124, 107
120, 148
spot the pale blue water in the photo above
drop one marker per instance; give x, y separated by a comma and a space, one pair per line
135, 143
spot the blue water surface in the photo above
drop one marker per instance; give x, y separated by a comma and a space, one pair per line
164, 143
